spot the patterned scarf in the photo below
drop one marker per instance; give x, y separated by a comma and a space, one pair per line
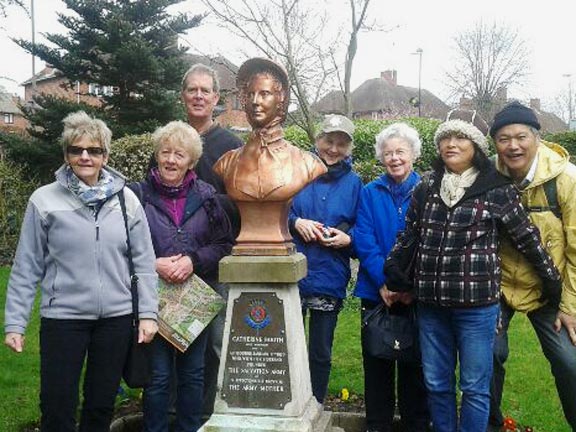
454, 185
91, 196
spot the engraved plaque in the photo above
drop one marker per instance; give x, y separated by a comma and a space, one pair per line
256, 373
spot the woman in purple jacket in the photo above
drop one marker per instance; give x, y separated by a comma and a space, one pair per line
190, 233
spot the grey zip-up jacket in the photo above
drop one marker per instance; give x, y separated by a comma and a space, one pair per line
80, 258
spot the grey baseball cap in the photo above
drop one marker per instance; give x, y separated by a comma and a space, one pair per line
337, 123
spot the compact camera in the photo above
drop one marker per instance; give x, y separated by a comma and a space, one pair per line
326, 232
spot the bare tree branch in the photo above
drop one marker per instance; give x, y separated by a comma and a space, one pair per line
488, 57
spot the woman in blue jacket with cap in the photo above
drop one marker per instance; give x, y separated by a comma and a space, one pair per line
321, 219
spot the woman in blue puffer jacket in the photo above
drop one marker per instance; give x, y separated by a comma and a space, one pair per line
321, 219
381, 213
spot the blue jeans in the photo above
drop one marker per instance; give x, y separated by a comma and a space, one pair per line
321, 326
463, 334
557, 348
189, 369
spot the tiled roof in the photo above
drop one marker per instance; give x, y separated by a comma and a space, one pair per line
380, 95
8, 105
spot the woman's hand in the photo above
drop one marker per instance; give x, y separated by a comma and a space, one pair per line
165, 266
308, 229
388, 297
147, 328
182, 269
175, 268
337, 239
14, 341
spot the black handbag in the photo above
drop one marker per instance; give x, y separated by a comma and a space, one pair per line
390, 336
137, 371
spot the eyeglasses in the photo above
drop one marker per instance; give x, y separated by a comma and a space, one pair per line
92, 151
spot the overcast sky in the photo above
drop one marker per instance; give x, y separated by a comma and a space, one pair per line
547, 27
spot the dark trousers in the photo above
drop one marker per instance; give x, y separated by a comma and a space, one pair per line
380, 392
64, 345
321, 326
556, 346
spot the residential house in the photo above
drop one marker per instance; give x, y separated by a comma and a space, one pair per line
384, 98
549, 122
11, 118
50, 81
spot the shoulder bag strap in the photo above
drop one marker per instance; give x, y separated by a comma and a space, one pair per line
133, 277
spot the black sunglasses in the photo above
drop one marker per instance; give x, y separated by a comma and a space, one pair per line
92, 151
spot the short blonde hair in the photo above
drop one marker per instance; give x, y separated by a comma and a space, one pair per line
180, 133
398, 130
80, 124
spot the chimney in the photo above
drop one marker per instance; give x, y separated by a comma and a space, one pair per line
502, 95
465, 103
390, 76
535, 104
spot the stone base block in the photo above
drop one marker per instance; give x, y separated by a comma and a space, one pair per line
313, 420
263, 269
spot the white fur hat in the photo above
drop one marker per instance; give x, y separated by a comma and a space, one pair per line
461, 127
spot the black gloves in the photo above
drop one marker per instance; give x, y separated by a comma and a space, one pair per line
552, 291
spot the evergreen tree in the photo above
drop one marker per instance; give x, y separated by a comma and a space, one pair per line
128, 45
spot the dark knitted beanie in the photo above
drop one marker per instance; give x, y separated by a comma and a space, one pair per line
514, 113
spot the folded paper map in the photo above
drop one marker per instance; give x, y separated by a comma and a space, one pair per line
184, 310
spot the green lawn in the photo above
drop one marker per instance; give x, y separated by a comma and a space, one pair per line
530, 396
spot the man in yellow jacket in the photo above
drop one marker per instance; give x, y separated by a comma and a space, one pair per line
547, 184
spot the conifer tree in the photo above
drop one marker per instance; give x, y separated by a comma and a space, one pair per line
130, 46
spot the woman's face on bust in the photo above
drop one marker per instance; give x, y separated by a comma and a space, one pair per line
174, 161
398, 158
263, 100
86, 157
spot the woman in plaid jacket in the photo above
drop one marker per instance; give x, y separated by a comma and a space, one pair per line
468, 205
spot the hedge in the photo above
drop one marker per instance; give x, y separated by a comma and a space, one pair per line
14, 193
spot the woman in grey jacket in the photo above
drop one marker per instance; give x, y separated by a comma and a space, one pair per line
73, 242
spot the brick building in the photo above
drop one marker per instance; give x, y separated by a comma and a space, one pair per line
50, 81
11, 119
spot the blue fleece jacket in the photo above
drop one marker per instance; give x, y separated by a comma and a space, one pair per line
332, 200
381, 214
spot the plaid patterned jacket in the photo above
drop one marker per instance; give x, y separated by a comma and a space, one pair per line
458, 262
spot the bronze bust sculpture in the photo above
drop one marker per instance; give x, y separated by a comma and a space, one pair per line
263, 176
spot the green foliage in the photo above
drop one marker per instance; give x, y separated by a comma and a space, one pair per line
36, 159
566, 140
297, 136
14, 193
365, 163
131, 155
129, 46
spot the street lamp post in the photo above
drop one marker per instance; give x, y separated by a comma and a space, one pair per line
33, 48
569, 76
419, 54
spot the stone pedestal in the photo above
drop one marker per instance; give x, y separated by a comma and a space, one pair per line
264, 378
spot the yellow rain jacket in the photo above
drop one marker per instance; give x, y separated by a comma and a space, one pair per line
521, 287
